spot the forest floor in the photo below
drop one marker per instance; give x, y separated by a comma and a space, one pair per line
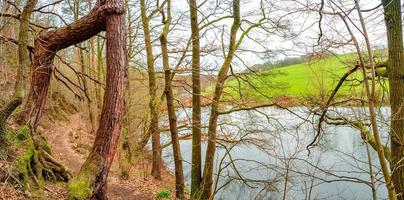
70, 142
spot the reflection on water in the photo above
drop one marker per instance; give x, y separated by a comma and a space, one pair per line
268, 156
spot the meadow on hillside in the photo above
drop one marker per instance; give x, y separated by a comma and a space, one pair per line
313, 78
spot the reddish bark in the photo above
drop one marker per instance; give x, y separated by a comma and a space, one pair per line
104, 16
94, 172
46, 46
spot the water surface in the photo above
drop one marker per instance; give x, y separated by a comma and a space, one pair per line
268, 156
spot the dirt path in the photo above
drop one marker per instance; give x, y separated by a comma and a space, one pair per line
65, 137
58, 138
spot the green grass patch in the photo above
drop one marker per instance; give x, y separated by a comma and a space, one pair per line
312, 78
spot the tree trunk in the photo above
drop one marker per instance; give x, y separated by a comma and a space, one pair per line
125, 150
196, 176
153, 128
83, 79
91, 181
46, 46
23, 62
107, 16
392, 14
370, 92
85, 86
371, 101
179, 173
100, 73
93, 92
207, 182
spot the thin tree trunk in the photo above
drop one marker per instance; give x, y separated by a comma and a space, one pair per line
100, 73
86, 90
378, 146
93, 90
83, 81
210, 152
153, 128
179, 173
125, 150
196, 170
371, 175
93, 72
91, 181
392, 14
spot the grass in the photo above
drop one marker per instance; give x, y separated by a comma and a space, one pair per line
313, 78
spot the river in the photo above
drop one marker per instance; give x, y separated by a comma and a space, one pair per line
268, 156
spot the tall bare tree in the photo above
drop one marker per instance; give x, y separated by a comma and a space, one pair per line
370, 88
392, 15
83, 67
206, 188
154, 126
196, 170
179, 173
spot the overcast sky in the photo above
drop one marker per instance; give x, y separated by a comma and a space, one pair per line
301, 38
298, 36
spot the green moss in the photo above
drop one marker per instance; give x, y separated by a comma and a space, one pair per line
381, 71
22, 166
368, 136
21, 135
80, 188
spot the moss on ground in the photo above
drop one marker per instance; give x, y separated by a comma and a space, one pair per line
80, 188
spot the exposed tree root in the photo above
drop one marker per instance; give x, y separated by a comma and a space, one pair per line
39, 164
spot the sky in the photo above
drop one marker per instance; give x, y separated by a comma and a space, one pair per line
300, 37
291, 29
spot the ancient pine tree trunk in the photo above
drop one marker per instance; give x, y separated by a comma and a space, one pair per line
92, 179
108, 15
46, 46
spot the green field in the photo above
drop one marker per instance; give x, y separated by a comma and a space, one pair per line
312, 78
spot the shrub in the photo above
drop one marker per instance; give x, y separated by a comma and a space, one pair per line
163, 194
